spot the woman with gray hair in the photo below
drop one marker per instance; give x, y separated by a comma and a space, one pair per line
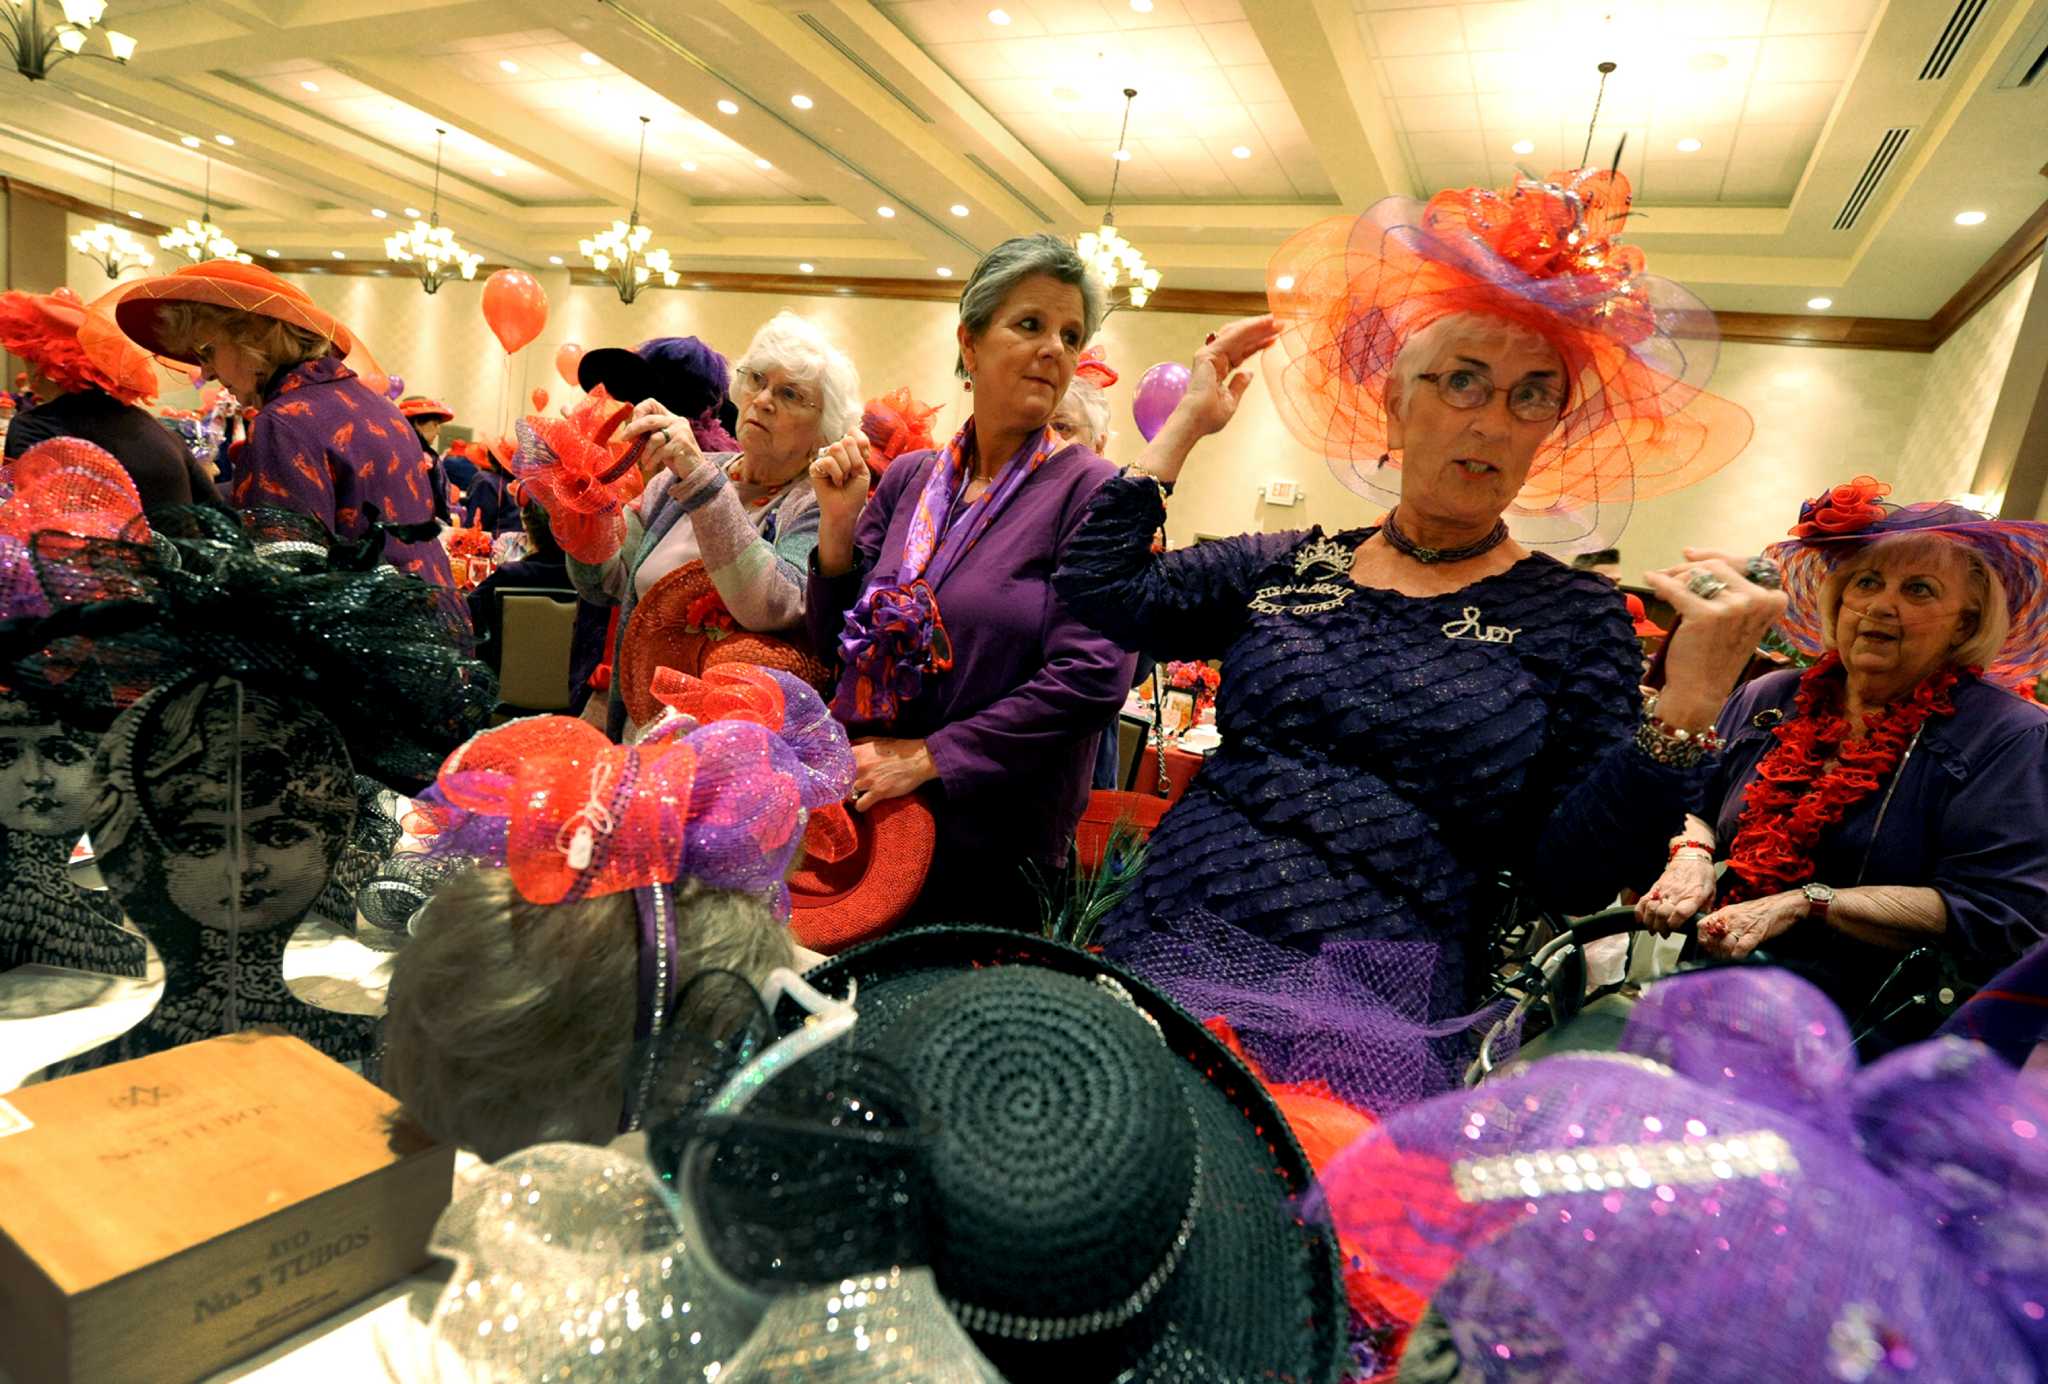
962, 669
752, 518
1410, 709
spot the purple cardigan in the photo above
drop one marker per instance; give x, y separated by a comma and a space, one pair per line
1969, 819
327, 445
1012, 728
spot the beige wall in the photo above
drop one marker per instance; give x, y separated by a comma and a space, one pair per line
1961, 392
1821, 415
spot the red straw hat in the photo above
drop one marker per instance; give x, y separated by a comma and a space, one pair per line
682, 624
869, 891
42, 329
1545, 256
419, 406
129, 314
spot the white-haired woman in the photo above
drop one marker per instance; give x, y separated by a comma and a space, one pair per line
962, 667
1893, 798
1083, 414
1410, 709
749, 515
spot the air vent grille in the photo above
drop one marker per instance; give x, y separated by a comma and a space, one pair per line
1953, 36
810, 22
1004, 183
1873, 173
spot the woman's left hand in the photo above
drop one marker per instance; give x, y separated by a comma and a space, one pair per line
1739, 929
1718, 638
672, 448
885, 769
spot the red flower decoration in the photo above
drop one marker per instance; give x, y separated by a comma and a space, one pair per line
1842, 509
707, 614
1094, 368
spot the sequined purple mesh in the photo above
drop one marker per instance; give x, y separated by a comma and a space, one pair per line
1760, 1211
1352, 1014
21, 594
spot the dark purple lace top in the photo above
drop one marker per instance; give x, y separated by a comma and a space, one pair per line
1384, 756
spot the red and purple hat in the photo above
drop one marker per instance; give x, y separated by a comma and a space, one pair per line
1846, 519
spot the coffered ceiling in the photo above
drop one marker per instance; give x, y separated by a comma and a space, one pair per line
1783, 150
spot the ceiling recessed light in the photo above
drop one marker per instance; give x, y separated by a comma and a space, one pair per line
1707, 62
1240, 152
190, 141
801, 101
590, 59
1688, 146
999, 17
763, 164
1969, 218
1525, 146
1123, 156
497, 172
337, 254
1820, 304
807, 268
309, 86
272, 254
1142, 6
413, 212
729, 107
379, 213
958, 209
688, 167
945, 272
228, 140
554, 259
1284, 282
885, 212
506, 65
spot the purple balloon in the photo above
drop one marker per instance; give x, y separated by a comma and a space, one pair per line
1159, 393
395, 389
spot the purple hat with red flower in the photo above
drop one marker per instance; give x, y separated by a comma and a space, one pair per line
1846, 519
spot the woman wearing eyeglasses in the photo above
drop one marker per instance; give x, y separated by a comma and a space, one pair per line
1410, 709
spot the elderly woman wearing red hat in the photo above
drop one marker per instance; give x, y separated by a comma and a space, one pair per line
1880, 814
426, 416
327, 442
76, 396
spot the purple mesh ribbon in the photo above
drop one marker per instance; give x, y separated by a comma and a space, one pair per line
1756, 1209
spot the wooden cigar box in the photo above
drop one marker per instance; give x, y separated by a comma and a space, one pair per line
164, 1217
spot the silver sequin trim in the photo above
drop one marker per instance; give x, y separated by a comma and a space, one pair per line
1614, 1167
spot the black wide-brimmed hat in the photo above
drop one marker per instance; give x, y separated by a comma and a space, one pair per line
1110, 1193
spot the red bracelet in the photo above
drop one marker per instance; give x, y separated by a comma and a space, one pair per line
1691, 845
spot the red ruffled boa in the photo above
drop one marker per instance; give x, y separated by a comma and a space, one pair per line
1815, 773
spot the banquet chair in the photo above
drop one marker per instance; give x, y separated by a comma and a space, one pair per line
535, 625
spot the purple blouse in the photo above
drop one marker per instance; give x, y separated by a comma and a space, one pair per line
1968, 819
1012, 728
327, 445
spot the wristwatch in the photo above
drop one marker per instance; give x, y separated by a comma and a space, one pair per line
1818, 897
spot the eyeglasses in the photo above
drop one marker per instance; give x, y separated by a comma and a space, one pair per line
1532, 401
786, 395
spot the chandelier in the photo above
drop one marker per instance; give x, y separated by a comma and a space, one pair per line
113, 248
36, 49
1115, 260
201, 239
621, 253
429, 247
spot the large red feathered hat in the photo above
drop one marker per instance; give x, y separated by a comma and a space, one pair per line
42, 329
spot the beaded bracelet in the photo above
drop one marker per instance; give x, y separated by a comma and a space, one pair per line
1681, 846
1667, 745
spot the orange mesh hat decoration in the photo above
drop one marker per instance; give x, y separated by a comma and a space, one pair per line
573, 469
1543, 256
129, 314
894, 424
682, 623
42, 329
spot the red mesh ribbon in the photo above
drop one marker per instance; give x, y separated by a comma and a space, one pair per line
70, 486
571, 468
1638, 350
894, 424
1842, 509
1094, 369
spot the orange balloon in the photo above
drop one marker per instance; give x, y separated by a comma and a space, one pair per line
567, 357
516, 308
540, 400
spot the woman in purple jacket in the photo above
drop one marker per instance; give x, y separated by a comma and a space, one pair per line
962, 669
326, 442
1890, 802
